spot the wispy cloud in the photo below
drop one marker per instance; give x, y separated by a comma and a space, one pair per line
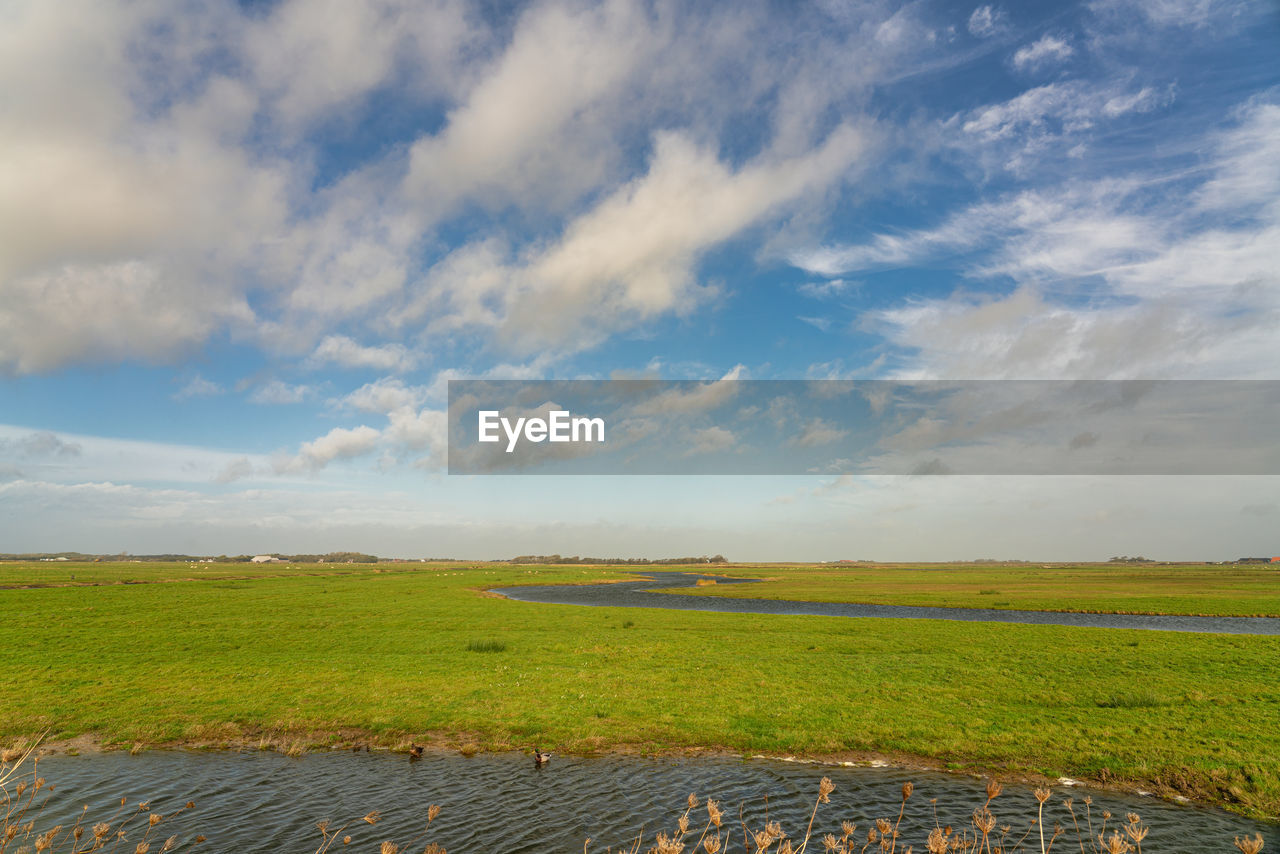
1048, 50
348, 353
198, 386
985, 21
280, 392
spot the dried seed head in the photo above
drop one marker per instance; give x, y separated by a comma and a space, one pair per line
1137, 832
711, 844
200, 839
883, 825
101, 829
1250, 846
1132, 817
9, 754
993, 789
667, 845
907, 789
825, 787
693, 801
77, 832
190, 805
142, 848
169, 843
346, 840
45, 840
389, 847
829, 842
154, 819
1042, 795
848, 827
372, 818
683, 824
1115, 844
713, 812
432, 812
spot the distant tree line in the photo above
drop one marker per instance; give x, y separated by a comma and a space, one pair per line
331, 557
618, 561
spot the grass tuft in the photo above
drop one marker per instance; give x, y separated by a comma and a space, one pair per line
1132, 700
487, 646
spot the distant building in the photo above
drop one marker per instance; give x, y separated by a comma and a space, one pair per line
1275, 560
265, 559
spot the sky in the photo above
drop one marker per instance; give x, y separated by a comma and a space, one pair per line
245, 246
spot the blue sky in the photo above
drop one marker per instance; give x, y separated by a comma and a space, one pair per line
243, 248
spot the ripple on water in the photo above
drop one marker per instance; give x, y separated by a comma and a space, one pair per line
267, 802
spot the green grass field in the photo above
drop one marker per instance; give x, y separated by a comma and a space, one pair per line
404, 652
1246, 590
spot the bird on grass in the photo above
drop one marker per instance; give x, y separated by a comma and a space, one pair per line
415, 751
540, 757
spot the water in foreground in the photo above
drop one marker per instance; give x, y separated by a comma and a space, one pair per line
635, 594
249, 802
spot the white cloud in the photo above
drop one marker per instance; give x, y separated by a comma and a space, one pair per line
633, 256
280, 392
525, 129
79, 457
346, 352
340, 443
42, 443
1049, 49
1185, 283
985, 21
818, 432
198, 386
384, 396
312, 57
829, 288
710, 440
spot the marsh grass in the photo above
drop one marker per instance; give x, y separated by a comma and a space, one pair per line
24, 797
1077, 828
487, 646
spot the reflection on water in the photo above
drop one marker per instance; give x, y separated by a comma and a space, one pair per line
501, 803
634, 594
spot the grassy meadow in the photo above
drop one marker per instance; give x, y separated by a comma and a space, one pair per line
312, 656
1241, 590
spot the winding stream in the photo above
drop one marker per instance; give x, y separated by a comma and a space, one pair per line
637, 594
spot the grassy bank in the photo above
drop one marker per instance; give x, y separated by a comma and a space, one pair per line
418, 654
1232, 590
